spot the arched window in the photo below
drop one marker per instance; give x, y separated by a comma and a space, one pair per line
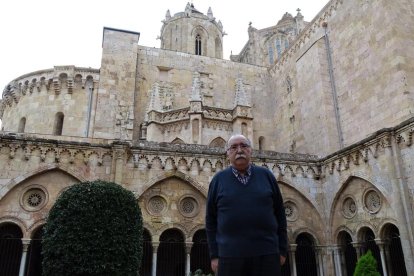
22, 125
10, 248
244, 129
171, 253
34, 256
218, 143
218, 48
200, 258
146, 262
349, 256
305, 255
57, 128
198, 45
261, 143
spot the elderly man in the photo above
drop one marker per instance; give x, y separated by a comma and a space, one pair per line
245, 217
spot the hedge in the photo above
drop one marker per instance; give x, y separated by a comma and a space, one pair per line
94, 228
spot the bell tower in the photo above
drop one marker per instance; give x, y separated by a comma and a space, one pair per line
193, 32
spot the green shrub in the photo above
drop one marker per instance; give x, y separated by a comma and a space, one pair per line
366, 266
94, 228
199, 272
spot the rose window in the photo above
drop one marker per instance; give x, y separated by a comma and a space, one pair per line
372, 201
156, 205
349, 207
188, 206
291, 211
34, 198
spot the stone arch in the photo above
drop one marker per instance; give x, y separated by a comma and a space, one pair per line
176, 226
179, 175
306, 261
366, 238
346, 229
305, 230
348, 254
177, 141
285, 183
200, 37
171, 243
16, 221
340, 193
218, 142
394, 257
36, 225
10, 248
15, 181
146, 261
194, 230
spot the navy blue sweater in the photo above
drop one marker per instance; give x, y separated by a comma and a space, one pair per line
245, 220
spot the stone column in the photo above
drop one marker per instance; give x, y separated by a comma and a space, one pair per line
380, 244
118, 152
318, 252
188, 246
357, 247
26, 243
155, 246
292, 258
337, 260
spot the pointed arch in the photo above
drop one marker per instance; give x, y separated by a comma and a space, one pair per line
177, 141
177, 174
218, 142
343, 186
17, 180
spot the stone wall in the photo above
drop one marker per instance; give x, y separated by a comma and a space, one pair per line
38, 96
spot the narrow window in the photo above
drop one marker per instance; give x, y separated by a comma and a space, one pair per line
22, 125
198, 45
271, 53
278, 48
57, 129
261, 143
244, 129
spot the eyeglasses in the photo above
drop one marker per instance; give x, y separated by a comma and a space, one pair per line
242, 146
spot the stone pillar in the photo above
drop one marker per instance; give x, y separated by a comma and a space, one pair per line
26, 243
118, 153
380, 244
155, 246
337, 260
357, 247
292, 258
188, 246
318, 252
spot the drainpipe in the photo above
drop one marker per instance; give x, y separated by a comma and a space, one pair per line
333, 86
88, 115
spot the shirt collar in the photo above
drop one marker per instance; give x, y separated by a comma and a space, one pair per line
237, 173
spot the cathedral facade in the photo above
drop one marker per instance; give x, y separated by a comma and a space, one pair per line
327, 104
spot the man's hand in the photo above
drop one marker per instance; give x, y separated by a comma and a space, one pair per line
214, 265
282, 260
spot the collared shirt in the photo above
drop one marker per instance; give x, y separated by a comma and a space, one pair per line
243, 178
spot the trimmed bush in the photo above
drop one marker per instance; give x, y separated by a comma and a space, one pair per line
94, 228
366, 266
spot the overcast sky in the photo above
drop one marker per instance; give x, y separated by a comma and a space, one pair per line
40, 34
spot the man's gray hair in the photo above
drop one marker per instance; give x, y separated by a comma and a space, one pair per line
238, 135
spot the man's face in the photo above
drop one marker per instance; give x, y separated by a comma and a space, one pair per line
239, 152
